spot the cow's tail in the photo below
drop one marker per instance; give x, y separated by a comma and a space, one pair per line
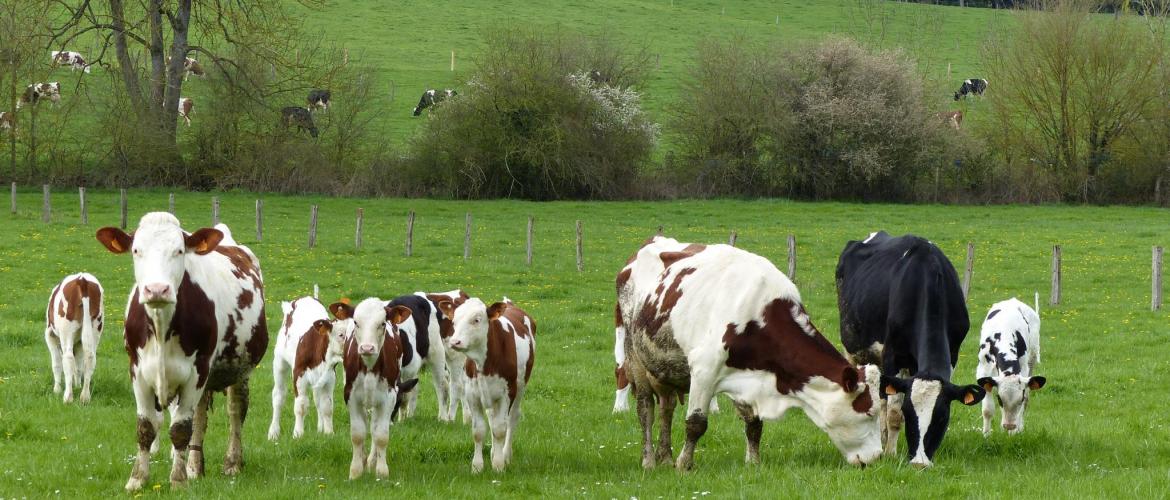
88, 332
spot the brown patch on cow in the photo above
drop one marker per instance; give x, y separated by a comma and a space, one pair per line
501, 347
623, 277
244, 301
617, 315
669, 258
241, 261
650, 318
446, 326
73, 292
781, 346
52, 299
138, 329
257, 344
469, 369
311, 350
619, 373
288, 318
386, 366
863, 403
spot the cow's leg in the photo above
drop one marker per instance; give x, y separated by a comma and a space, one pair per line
456, 379
380, 421
988, 411
753, 428
498, 420
147, 432
68, 363
357, 436
411, 402
644, 401
280, 373
182, 426
478, 428
54, 357
438, 363
300, 405
198, 430
664, 454
701, 393
324, 395
237, 396
894, 419
513, 422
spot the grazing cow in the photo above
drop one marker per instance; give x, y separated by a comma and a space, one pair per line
455, 360
621, 402
710, 319
194, 325
901, 306
185, 107
372, 381
318, 99
74, 319
952, 118
432, 97
72, 59
970, 86
301, 117
499, 341
190, 67
1009, 348
37, 91
308, 348
6, 121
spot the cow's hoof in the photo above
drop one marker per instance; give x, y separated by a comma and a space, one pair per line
684, 464
382, 471
84, 399
232, 466
68, 397
195, 465
135, 484
355, 470
178, 477
273, 434
477, 466
297, 433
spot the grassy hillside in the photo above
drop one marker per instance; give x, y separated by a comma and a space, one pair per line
1098, 429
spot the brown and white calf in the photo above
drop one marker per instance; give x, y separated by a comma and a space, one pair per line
456, 377
185, 107
37, 91
6, 122
74, 320
71, 59
195, 325
500, 344
373, 357
308, 348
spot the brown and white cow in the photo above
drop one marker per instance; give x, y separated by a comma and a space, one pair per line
308, 348
185, 107
500, 344
6, 121
190, 67
68, 58
195, 325
74, 320
455, 360
716, 319
373, 357
37, 91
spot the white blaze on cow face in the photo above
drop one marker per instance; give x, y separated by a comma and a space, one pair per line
927, 411
369, 327
160, 250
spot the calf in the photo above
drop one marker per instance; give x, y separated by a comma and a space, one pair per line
72, 59
74, 319
1009, 348
455, 360
37, 91
423, 345
901, 306
194, 325
308, 347
975, 86
372, 381
6, 121
432, 97
192, 67
318, 99
498, 341
708, 319
296, 115
185, 107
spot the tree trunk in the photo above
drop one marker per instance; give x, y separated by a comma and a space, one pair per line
125, 64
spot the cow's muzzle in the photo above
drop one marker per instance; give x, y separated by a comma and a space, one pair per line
366, 349
158, 295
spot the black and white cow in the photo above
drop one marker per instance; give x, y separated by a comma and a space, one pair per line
974, 86
423, 332
1009, 348
902, 308
300, 117
318, 99
432, 97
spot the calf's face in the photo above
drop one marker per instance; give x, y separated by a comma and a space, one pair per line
159, 248
370, 322
1013, 392
471, 323
927, 410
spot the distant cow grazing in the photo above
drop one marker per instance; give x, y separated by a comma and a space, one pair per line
308, 349
1009, 349
901, 306
37, 91
708, 319
500, 344
6, 121
952, 118
190, 67
318, 99
194, 325
972, 86
432, 97
300, 117
73, 321
372, 381
71, 59
185, 107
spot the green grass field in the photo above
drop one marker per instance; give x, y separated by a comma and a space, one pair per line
1099, 429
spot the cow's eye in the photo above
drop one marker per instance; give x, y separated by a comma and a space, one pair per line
179, 252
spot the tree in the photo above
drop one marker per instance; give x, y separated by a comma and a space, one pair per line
19, 20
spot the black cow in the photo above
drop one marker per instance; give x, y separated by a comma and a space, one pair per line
974, 86
432, 97
318, 99
296, 115
902, 308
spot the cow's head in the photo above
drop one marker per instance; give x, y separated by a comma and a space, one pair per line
1013, 391
852, 418
471, 324
160, 249
371, 319
926, 406
427, 99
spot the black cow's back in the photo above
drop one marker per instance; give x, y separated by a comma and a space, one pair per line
420, 313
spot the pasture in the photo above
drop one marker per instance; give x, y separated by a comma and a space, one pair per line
1098, 429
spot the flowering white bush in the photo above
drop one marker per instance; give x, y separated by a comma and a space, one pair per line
618, 109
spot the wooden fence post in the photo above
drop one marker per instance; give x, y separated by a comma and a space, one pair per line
214, 210
467, 238
970, 270
46, 206
313, 226
528, 253
13, 198
357, 236
124, 204
1156, 292
259, 220
580, 248
316, 291
171, 203
1055, 298
452, 60
792, 257
84, 208
731, 240
410, 233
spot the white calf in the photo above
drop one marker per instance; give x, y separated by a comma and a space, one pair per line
74, 318
308, 347
1009, 349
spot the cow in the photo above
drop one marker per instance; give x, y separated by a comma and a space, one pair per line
1009, 349
318, 99
308, 347
373, 354
6, 121
185, 107
975, 86
72, 59
901, 306
707, 319
301, 117
500, 344
432, 97
195, 325
455, 360
73, 321
621, 402
952, 118
37, 91
422, 344
190, 67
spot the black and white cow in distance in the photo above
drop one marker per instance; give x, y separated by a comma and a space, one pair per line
432, 97
1009, 349
318, 99
901, 306
716, 319
299, 117
971, 86
194, 325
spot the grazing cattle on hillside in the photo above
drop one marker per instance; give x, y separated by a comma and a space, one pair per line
500, 344
318, 99
301, 117
6, 121
1009, 349
432, 97
71, 59
37, 91
373, 354
455, 360
901, 306
73, 321
716, 319
194, 325
308, 348
972, 86
185, 107
952, 118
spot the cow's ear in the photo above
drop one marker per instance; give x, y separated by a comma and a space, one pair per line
323, 327
495, 310
115, 239
204, 240
968, 394
447, 307
341, 310
987, 383
850, 379
1036, 382
397, 314
892, 385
